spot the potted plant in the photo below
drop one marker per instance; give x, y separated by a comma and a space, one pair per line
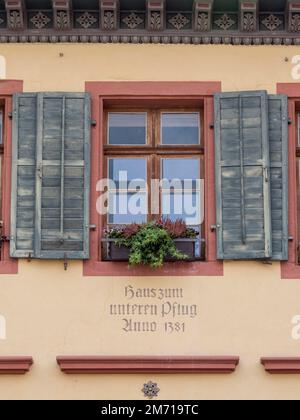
151, 243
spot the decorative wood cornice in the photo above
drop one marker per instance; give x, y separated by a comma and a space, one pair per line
199, 23
62, 14
15, 365
281, 365
147, 364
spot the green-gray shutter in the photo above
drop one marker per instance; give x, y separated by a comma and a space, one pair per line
51, 165
242, 176
278, 143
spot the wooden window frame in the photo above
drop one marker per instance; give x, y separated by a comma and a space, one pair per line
128, 95
291, 269
7, 89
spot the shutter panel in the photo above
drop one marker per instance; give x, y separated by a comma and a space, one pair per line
242, 176
23, 202
61, 172
278, 143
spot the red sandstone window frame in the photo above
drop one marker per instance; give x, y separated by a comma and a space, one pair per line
188, 93
7, 89
291, 269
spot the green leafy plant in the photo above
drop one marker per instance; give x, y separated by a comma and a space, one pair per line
151, 243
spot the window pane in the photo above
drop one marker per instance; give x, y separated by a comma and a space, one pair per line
184, 205
126, 208
178, 128
182, 169
128, 169
127, 128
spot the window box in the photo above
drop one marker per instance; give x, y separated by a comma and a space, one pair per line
115, 253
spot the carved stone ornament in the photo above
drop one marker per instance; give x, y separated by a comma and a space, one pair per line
150, 390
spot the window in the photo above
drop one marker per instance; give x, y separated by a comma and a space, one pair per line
152, 99
154, 161
298, 180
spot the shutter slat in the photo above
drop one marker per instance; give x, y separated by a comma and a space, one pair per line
242, 187
278, 135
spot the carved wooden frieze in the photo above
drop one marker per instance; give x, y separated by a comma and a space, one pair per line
109, 14
197, 22
156, 10
62, 10
248, 15
203, 15
293, 16
15, 10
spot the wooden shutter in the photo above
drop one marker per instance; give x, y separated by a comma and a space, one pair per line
278, 143
242, 176
57, 128
23, 205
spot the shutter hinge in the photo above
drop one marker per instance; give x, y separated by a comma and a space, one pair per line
93, 227
10, 115
290, 121
212, 126
291, 238
93, 123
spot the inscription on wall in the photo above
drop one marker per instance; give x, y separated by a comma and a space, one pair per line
154, 310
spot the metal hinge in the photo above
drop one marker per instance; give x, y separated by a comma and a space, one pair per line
214, 228
93, 123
